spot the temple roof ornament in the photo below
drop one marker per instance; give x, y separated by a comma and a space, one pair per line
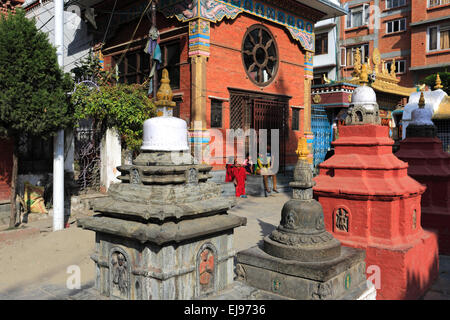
164, 95
384, 80
438, 83
363, 108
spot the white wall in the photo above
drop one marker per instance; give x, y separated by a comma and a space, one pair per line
328, 25
77, 42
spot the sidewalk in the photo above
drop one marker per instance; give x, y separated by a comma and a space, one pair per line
35, 268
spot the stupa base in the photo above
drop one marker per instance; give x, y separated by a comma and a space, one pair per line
406, 271
342, 278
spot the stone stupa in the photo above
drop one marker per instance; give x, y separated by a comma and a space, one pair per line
164, 231
300, 259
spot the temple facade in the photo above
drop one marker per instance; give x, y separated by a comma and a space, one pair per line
232, 64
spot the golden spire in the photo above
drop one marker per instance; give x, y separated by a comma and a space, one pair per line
164, 94
421, 100
364, 75
393, 68
302, 149
438, 82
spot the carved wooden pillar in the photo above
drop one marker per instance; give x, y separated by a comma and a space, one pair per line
199, 31
307, 131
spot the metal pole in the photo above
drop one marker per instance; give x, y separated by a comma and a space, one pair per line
58, 142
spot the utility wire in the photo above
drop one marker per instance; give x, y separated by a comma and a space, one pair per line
109, 22
132, 36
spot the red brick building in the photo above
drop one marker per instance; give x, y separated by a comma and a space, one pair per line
232, 64
413, 32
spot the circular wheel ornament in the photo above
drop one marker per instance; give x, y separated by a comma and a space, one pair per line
260, 55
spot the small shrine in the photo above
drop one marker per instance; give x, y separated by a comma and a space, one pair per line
430, 165
370, 202
438, 102
300, 259
164, 231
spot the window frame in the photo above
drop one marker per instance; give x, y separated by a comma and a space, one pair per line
392, 22
365, 21
436, 5
297, 124
364, 54
399, 5
438, 37
216, 102
397, 66
323, 37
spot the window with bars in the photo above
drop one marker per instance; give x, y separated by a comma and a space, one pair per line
321, 43
396, 25
295, 119
135, 65
439, 38
394, 3
435, 3
400, 66
216, 113
358, 16
348, 54
170, 56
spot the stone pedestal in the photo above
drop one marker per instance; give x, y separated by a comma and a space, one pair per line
300, 259
163, 233
430, 165
370, 202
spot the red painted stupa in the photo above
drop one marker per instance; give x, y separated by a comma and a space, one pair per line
430, 165
370, 202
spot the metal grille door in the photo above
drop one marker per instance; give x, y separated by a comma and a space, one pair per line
271, 114
322, 130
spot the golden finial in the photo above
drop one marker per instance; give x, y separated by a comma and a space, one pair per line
438, 82
421, 100
164, 94
393, 68
302, 149
364, 76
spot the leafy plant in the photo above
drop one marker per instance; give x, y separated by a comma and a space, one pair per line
33, 88
122, 106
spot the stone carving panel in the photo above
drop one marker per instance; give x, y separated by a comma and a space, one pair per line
119, 275
342, 219
206, 269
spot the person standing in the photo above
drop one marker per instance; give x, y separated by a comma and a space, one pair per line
263, 168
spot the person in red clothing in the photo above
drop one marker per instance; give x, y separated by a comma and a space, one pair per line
229, 171
240, 175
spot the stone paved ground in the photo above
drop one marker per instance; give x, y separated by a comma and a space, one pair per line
35, 268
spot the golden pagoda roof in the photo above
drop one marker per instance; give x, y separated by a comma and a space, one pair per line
443, 111
385, 80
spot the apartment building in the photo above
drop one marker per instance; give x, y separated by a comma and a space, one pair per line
413, 34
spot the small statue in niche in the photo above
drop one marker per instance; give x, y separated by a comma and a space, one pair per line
119, 273
206, 269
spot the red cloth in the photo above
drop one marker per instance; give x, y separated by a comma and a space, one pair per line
229, 173
240, 175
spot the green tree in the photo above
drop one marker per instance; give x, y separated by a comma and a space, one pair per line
33, 89
430, 81
124, 107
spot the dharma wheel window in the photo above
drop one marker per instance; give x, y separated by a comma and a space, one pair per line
260, 55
